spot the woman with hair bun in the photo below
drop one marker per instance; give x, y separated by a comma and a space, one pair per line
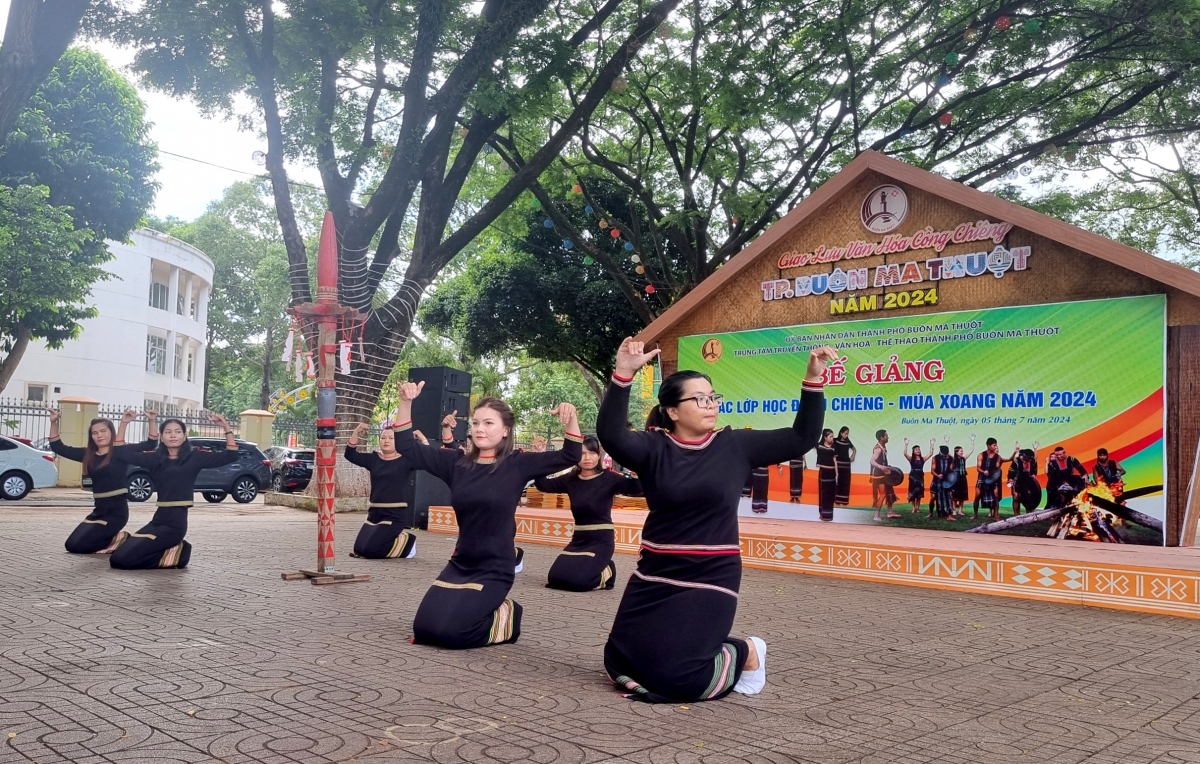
103, 459
173, 467
670, 639
587, 562
468, 604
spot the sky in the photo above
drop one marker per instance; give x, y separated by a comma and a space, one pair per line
187, 186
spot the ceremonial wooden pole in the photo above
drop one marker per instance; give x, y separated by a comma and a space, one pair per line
326, 312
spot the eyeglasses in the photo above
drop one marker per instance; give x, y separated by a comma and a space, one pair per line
705, 401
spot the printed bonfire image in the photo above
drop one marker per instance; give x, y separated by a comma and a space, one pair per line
1005, 420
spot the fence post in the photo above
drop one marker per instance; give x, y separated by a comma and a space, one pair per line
77, 415
258, 427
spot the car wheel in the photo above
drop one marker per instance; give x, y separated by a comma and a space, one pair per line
14, 485
245, 489
277, 483
214, 496
140, 487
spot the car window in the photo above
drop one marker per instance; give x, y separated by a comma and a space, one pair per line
305, 456
7, 445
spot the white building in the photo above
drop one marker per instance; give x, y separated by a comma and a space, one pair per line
147, 344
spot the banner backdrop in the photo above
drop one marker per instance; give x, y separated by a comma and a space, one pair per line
1083, 375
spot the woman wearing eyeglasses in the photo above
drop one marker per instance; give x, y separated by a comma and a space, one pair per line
670, 640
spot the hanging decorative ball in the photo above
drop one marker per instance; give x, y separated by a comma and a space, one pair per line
504, 166
487, 148
1003, 23
537, 204
620, 85
636, 258
1027, 170
463, 132
588, 209
615, 233
1050, 150
1032, 26
972, 34
568, 244
640, 270
588, 260
649, 289
951, 59
943, 80
946, 119
576, 189
629, 246
904, 132
733, 220
547, 223
603, 224
663, 32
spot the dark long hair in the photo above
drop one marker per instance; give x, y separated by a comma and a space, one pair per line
670, 393
592, 443
471, 451
89, 453
185, 448
825, 434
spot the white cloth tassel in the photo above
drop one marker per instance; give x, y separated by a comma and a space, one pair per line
312, 367
288, 346
299, 368
344, 357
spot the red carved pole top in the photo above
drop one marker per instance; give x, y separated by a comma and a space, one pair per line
327, 263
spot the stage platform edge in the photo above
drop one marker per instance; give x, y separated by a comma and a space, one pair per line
1125, 577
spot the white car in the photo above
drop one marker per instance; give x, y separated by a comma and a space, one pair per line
23, 468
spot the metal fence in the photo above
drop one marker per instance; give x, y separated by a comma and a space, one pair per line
24, 419
295, 432
31, 420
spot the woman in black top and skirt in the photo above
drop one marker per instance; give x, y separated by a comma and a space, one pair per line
173, 467
916, 475
587, 562
103, 461
468, 604
384, 535
670, 639
827, 479
846, 453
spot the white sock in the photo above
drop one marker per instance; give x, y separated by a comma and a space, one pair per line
520, 560
412, 552
752, 682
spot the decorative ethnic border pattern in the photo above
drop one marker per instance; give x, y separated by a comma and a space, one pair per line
1123, 587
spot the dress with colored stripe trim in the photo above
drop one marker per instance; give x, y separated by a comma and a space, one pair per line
110, 496
670, 639
469, 605
160, 543
385, 534
587, 563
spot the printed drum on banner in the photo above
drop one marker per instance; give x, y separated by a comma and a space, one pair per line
1084, 376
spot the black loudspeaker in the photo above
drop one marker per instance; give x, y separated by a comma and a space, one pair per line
445, 390
425, 491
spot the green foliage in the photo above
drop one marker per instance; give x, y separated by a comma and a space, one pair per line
539, 388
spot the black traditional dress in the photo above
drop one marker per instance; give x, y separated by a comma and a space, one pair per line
160, 544
842, 449
760, 484
944, 466
796, 479
1022, 479
102, 531
987, 491
916, 479
670, 639
961, 490
384, 535
468, 604
587, 562
827, 481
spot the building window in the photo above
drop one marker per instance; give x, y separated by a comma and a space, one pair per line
36, 393
156, 354
160, 295
178, 360
179, 303
191, 368
192, 314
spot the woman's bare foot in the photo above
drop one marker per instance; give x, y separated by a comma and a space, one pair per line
752, 662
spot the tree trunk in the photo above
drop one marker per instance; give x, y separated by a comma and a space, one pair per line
37, 33
268, 357
9, 364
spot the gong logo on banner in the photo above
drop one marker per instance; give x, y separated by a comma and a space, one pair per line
884, 209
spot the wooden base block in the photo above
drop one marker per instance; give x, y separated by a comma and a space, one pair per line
353, 579
296, 576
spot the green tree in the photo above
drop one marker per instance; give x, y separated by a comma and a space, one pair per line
541, 386
397, 104
82, 149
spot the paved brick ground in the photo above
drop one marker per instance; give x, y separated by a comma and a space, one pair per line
224, 662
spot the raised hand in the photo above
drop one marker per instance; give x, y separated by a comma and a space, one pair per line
450, 420
151, 413
218, 419
420, 436
906, 444
538, 445
410, 390
361, 428
566, 413
819, 360
632, 356
972, 438
129, 415
55, 414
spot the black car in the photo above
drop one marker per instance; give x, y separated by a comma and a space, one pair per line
242, 479
291, 468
